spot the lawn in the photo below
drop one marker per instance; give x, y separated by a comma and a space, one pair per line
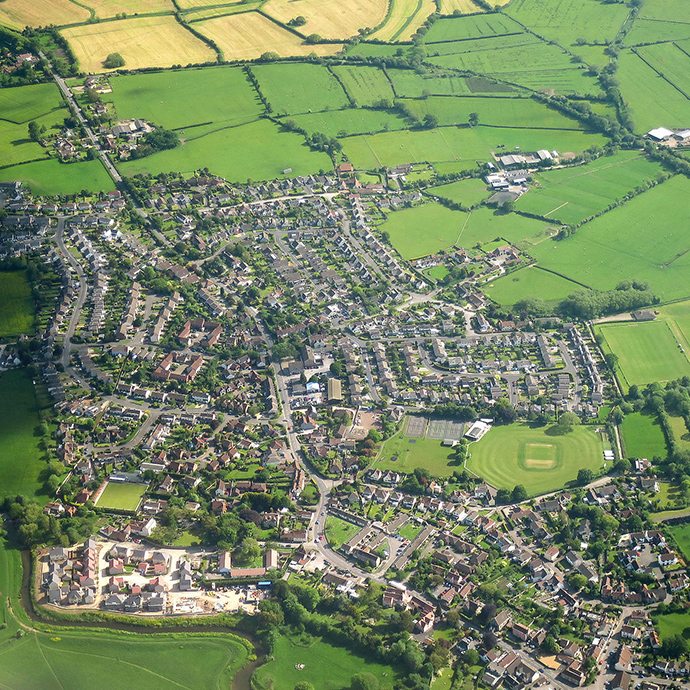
21, 458
121, 496
365, 85
530, 281
681, 533
52, 177
404, 454
410, 531
672, 624
339, 531
538, 457
17, 310
326, 666
466, 192
642, 436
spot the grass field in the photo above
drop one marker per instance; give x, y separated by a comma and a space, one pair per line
465, 192
15, 144
646, 239
52, 177
20, 104
259, 151
326, 666
329, 18
20, 13
405, 17
535, 456
121, 496
365, 85
571, 195
17, 311
142, 42
339, 531
648, 31
249, 35
681, 533
471, 27
672, 624
350, 121
227, 95
21, 463
529, 282
642, 436
404, 454
680, 431
671, 61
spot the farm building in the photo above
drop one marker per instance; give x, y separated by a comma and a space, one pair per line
660, 134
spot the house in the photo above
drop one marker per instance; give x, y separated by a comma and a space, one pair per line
621, 681
500, 621
624, 659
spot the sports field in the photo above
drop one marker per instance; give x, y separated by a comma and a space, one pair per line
404, 453
642, 436
465, 192
20, 13
53, 177
17, 312
530, 281
121, 496
571, 195
329, 18
324, 665
142, 42
539, 458
21, 461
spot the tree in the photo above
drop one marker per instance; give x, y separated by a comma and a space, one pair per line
611, 361
313, 38
674, 647
430, 121
519, 494
364, 681
304, 685
577, 581
270, 56
34, 131
113, 61
247, 551
585, 476
567, 421
471, 657
474, 119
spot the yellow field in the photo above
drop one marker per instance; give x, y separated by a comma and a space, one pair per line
20, 13
142, 42
190, 4
249, 35
329, 18
464, 6
109, 8
404, 20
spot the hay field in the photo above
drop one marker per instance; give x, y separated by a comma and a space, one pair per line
20, 13
405, 18
142, 42
329, 18
247, 36
109, 8
189, 4
466, 6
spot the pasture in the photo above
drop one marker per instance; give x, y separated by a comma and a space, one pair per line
20, 104
571, 195
649, 31
680, 432
21, 461
15, 144
142, 42
17, 312
405, 17
293, 88
121, 496
20, 13
643, 436
670, 60
478, 26
466, 192
52, 177
530, 281
339, 123
227, 95
325, 666
365, 85
538, 457
647, 239
249, 35
259, 151
408, 83
404, 453
329, 18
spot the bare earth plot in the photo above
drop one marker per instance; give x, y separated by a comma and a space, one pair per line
20, 13
142, 42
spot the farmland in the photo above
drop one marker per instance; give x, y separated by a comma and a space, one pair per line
121, 496
350, 121
249, 35
405, 17
571, 195
530, 281
643, 436
539, 458
326, 666
110, 8
142, 42
329, 18
477, 26
53, 177
465, 192
21, 104
20, 13
365, 85
21, 463
16, 304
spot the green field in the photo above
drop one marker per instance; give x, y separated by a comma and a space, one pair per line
225, 92
365, 85
680, 431
681, 533
339, 531
52, 177
326, 666
20, 104
17, 311
21, 461
649, 31
537, 457
530, 281
478, 26
642, 436
672, 624
350, 121
404, 454
571, 195
121, 496
413, 85
645, 239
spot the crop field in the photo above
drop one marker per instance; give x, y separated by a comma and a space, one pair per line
462, 6
142, 42
21, 464
227, 95
329, 18
405, 453
215, 11
21, 104
121, 496
571, 195
365, 85
646, 239
190, 4
326, 666
478, 26
405, 17
249, 35
110, 8
53, 177
452, 144
298, 88
20, 13
350, 121
642, 436
530, 281
539, 458
465, 192
258, 150
16, 304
